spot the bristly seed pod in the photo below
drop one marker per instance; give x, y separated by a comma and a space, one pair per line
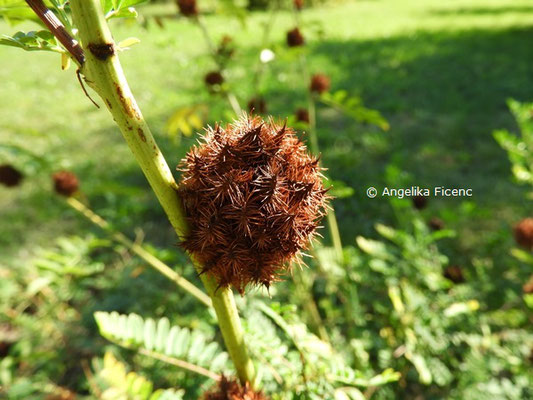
454, 273
419, 202
436, 224
10, 176
187, 8
295, 38
65, 183
213, 78
253, 197
523, 233
257, 105
320, 83
230, 390
302, 115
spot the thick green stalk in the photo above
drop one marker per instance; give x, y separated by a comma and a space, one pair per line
104, 74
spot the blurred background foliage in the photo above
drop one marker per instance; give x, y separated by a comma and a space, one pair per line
431, 299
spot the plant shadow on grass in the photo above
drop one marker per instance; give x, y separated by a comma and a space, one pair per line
444, 93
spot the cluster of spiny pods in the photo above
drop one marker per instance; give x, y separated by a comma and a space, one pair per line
254, 198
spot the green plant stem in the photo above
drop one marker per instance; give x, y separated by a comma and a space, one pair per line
310, 303
153, 261
104, 74
181, 364
331, 218
315, 149
232, 99
261, 66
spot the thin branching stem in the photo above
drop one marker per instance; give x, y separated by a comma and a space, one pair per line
103, 73
180, 363
152, 260
232, 99
315, 149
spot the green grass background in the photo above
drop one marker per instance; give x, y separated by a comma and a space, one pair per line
440, 72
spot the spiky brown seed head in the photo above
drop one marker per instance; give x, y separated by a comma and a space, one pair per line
320, 83
187, 7
213, 78
523, 233
65, 183
302, 115
454, 273
227, 389
419, 202
436, 224
257, 105
298, 4
253, 197
295, 38
10, 176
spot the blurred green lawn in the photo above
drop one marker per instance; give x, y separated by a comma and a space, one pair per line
439, 71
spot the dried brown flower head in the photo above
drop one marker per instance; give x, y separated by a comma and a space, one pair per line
523, 233
10, 176
65, 183
436, 224
226, 48
295, 38
253, 197
213, 78
298, 4
230, 390
187, 7
320, 83
302, 115
528, 286
257, 105
419, 202
454, 273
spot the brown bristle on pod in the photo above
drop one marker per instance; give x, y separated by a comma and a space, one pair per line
65, 183
295, 38
302, 115
231, 390
187, 7
254, 198
213, 78
523, 233
298, 4
320, 83
257, 105
10, 176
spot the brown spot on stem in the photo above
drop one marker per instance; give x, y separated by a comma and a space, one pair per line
102, 51
127, 103
141, 135
109, 104
131, 109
